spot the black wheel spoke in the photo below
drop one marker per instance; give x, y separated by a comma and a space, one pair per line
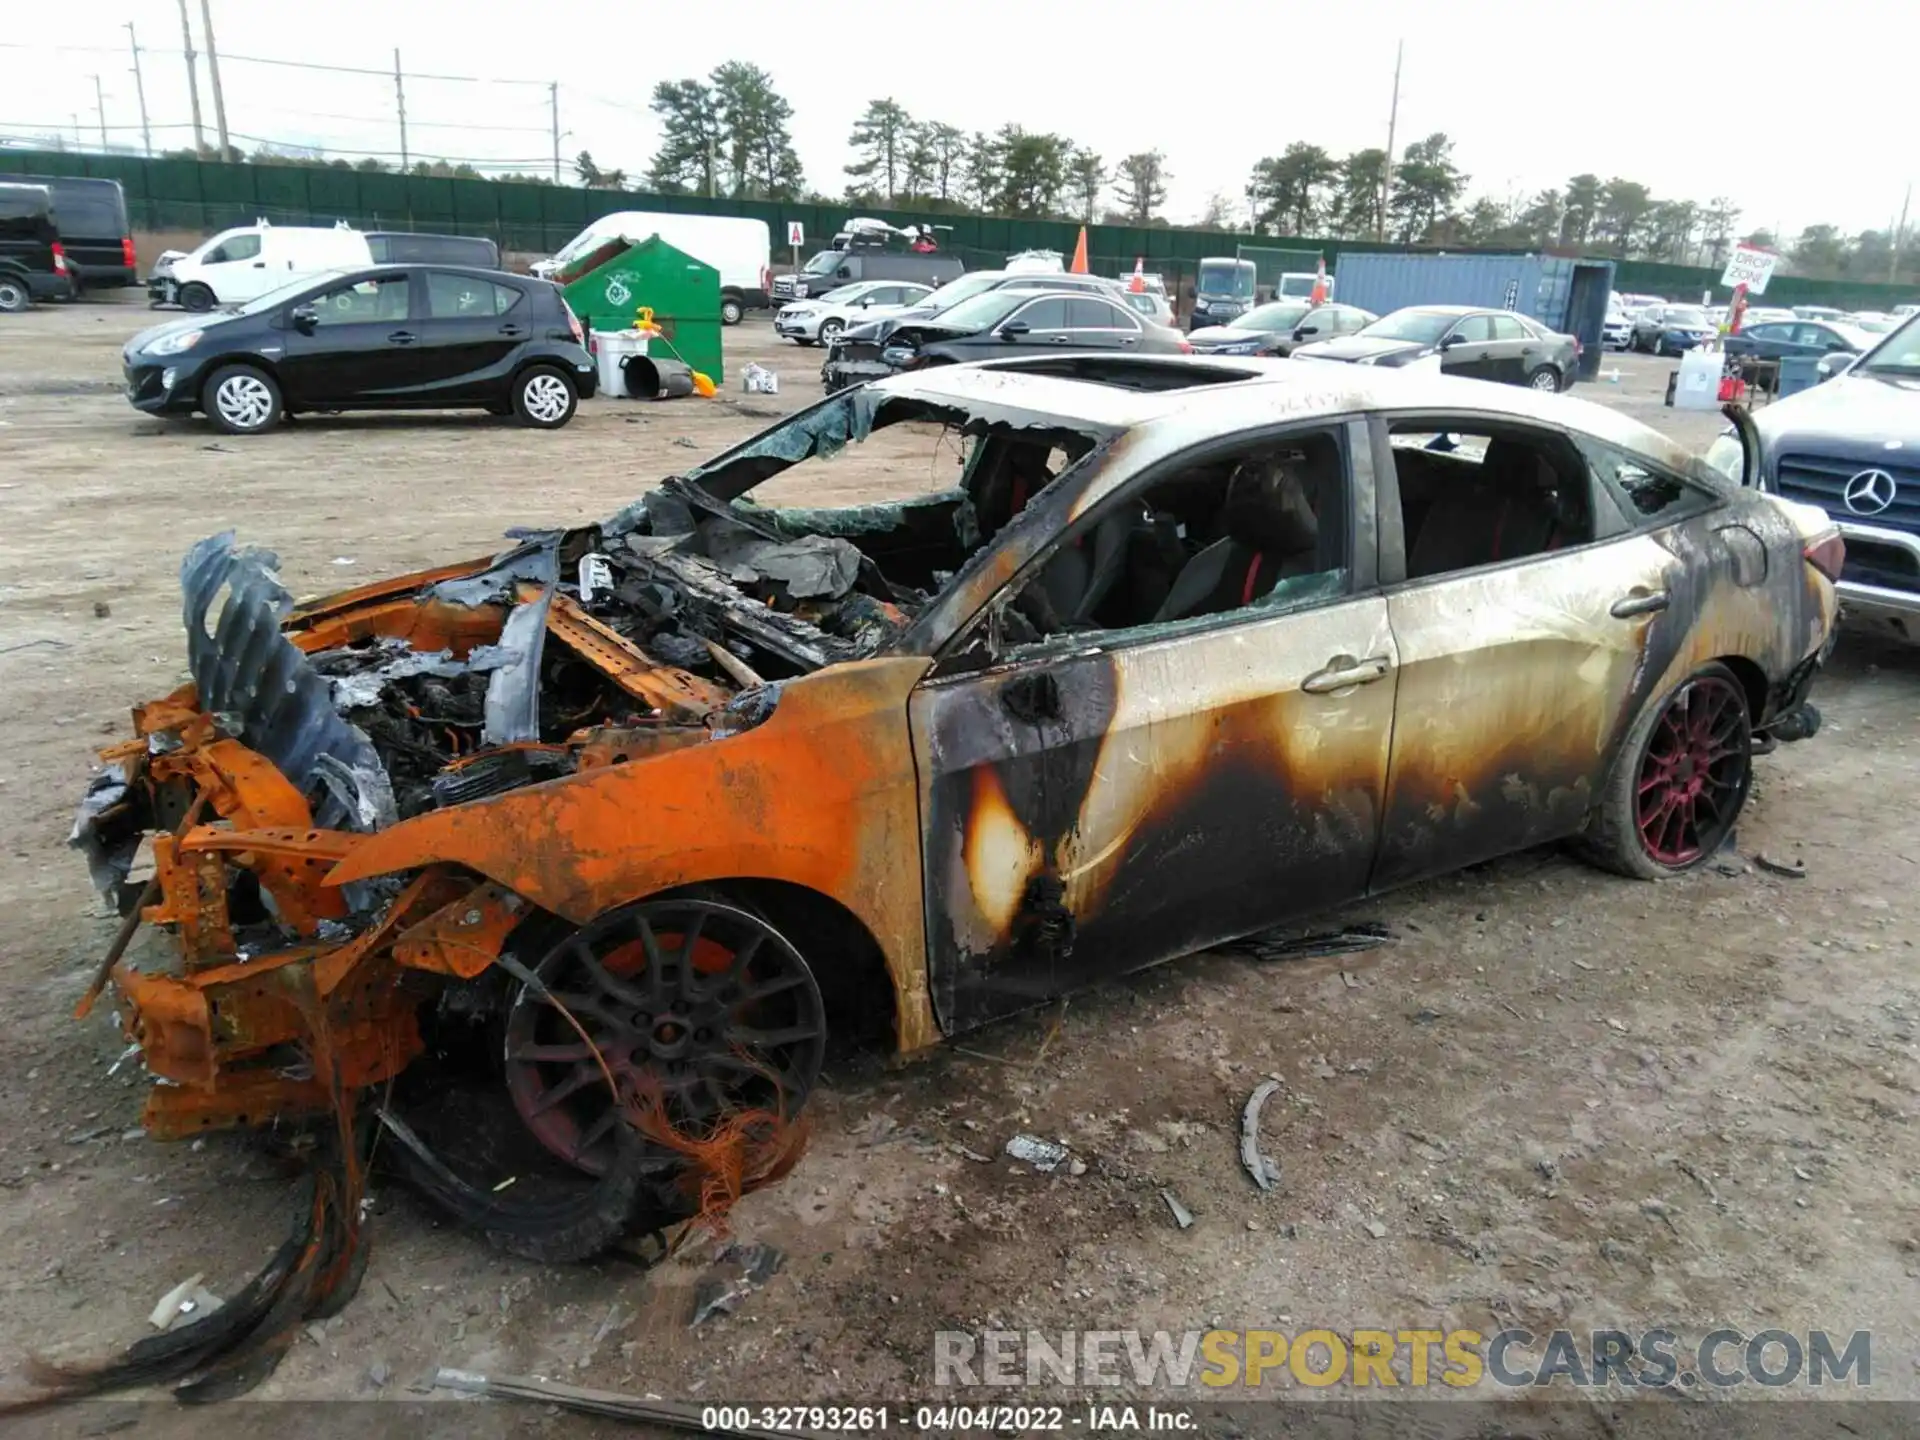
575, 1082
551, 1054
779, 985
768, 1039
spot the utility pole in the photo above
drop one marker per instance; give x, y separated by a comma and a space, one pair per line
553, 101
1899, 234
1393, 120
193, 81
400, 98
213, 72
711, 178
140, 89
100, 110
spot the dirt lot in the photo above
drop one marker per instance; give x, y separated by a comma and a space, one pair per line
1561, 1098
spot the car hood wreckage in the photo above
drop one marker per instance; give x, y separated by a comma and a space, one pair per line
568, 815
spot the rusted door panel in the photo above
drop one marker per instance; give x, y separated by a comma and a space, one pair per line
1516, 683
1091, 813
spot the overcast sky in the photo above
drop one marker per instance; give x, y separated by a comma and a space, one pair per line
1800, 113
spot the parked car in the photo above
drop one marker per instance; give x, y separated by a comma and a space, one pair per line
1278, 327
855, 354
1764, 315
1796, 339
1852, 447
812, 322
1872, 321
386, 337
1616, 333
94, 230
1670, 329
1017, 322
33, 262
1299, 285
1223, 289
1150, 305
1191, 649
1498, 345
830, 269
1818, 312
735, 246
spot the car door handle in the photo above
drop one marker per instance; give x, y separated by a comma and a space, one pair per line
259, 264
1343, 672
1060, 340
402, 337
513, 332
1032, 697
1645, 602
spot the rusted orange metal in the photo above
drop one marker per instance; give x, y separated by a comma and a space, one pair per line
289, 863
463, 937
675, 693
428, 625
823, 795
193, 897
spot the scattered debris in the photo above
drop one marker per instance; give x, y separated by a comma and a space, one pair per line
1790, 869
1182, 1216
34, 645
1044, 1155
378, 1374
670, 1414
101, 610
1350, 980
758, 380
1269, 946
343, 560
1617, 1024
1424, 1016
1265, 1173
189, 1300
738, 1270
1699, 1179
1376, 1229
974, 1155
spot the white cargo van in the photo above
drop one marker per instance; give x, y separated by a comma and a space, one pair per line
739, 249
243, 263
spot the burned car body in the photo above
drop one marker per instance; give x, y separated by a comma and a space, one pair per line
1190, 648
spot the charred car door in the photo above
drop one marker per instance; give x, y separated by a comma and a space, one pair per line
1199, 749
1524, 624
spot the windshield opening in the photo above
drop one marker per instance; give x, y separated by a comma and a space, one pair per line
1898, 354
982, 311
825, 263
1270, 319
262, 303
1227, 277
954, 291
1684, 315
1425, 326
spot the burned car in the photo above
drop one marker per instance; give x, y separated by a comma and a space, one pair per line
619, 823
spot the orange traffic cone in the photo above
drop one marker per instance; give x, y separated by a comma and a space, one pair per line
1138, 285
1079, 265
1319, 295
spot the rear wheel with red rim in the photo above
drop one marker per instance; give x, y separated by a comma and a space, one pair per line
1680, 782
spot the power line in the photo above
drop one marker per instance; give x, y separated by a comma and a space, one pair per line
288, 64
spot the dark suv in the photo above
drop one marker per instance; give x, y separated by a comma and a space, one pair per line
94, 230
33, 263
382, 337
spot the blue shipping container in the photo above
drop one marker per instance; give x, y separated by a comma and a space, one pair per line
1569, 295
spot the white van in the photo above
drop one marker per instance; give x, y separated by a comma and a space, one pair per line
241, 264
737, 248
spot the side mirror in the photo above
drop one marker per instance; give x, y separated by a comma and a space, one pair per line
844, 273
1306, 330
1831, 365
305, 318
1453, 340
1014, 329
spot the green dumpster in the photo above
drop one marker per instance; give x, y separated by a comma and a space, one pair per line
682, 292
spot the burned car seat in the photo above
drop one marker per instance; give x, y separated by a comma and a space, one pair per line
1271, 534
1513, 507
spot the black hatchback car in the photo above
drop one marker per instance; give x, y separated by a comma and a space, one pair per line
386, 337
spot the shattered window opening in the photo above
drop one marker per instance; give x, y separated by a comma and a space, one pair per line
1478, 493
1254, 530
